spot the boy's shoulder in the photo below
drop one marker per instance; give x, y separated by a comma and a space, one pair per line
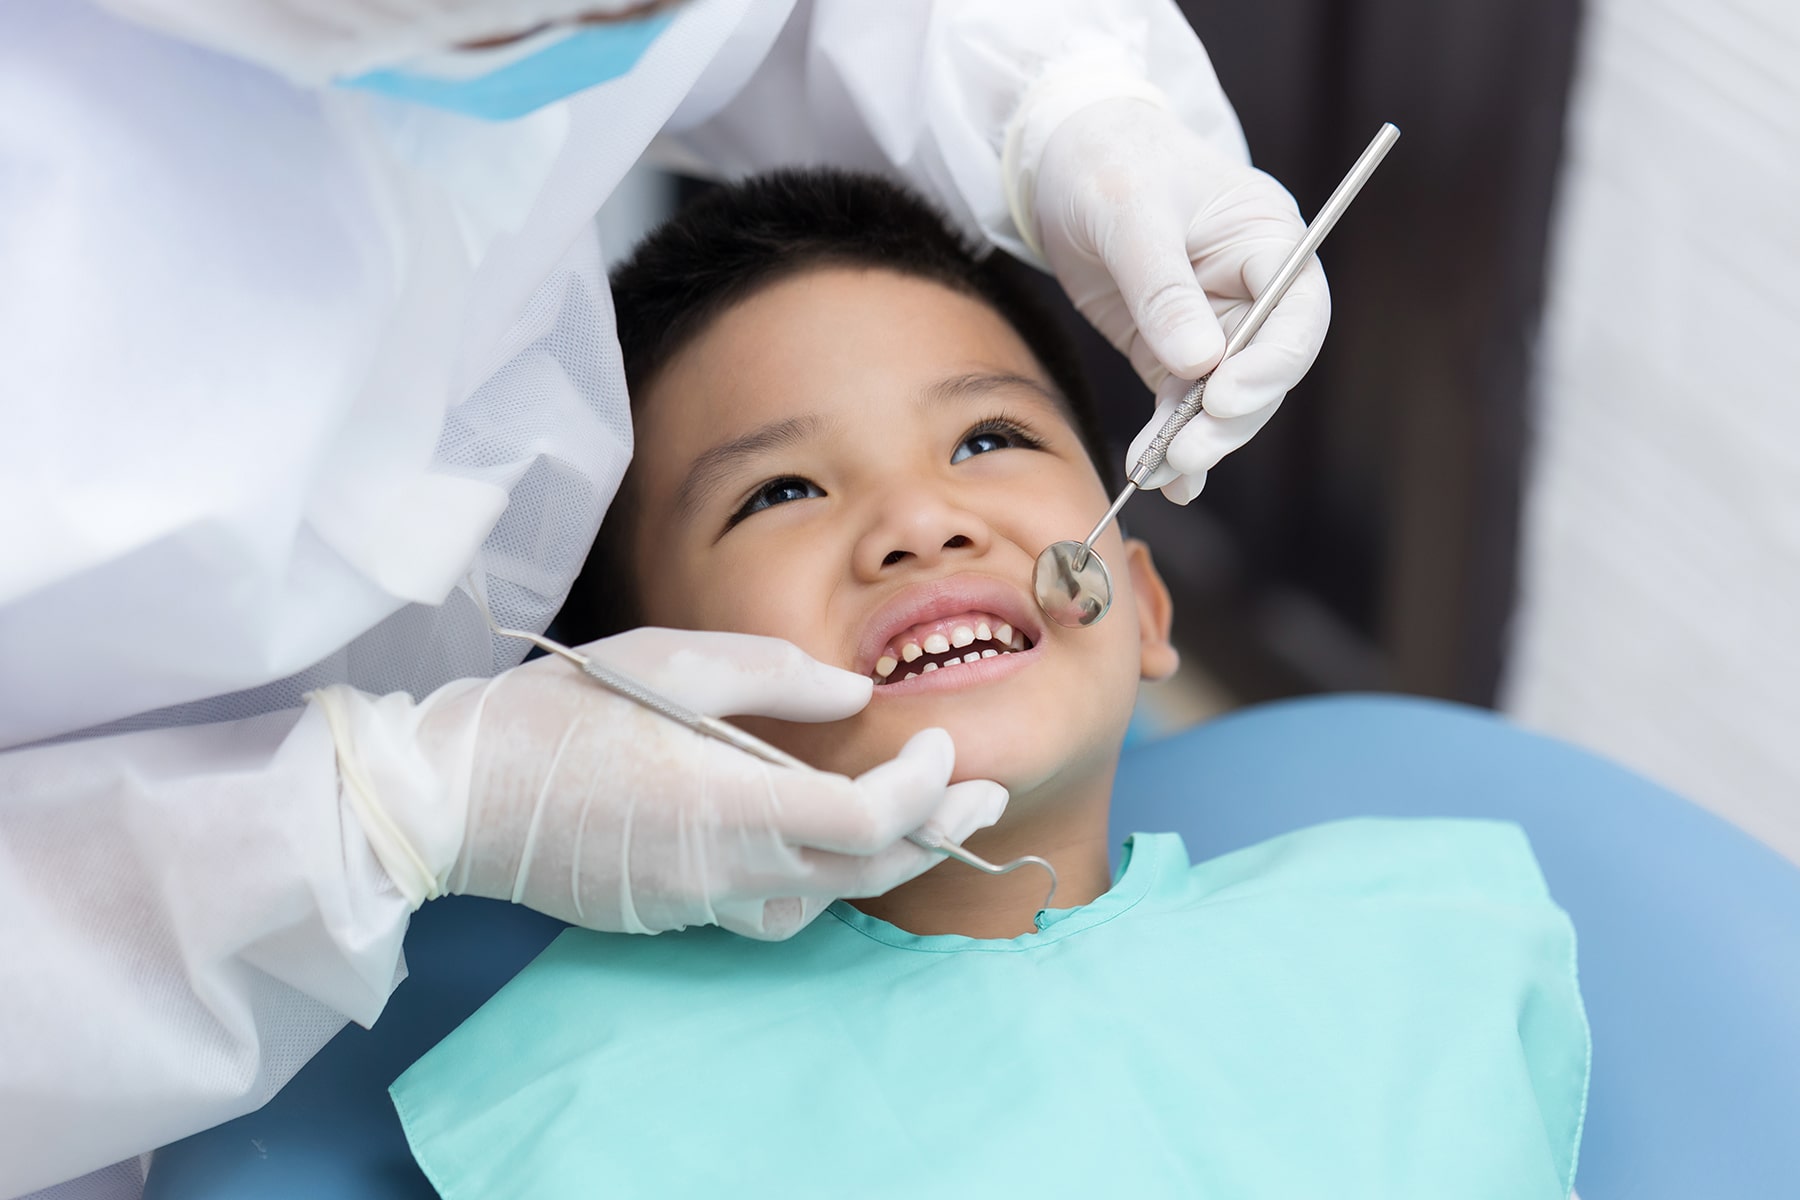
1372, 859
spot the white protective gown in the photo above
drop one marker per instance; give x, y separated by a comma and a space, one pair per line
286, 375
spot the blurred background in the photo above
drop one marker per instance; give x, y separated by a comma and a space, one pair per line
1549, 461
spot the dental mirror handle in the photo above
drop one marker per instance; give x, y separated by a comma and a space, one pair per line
1154, 454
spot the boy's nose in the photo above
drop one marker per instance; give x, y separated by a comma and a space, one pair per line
922, 529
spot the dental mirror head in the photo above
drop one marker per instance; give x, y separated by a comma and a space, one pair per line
1073, 586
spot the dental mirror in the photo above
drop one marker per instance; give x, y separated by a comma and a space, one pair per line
1073, 586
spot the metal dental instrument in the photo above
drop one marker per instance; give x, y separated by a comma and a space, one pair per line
624, 685
1072, 584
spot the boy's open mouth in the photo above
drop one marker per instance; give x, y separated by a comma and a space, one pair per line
944, 643
961, 631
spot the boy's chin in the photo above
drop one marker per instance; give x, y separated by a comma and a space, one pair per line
1018, 764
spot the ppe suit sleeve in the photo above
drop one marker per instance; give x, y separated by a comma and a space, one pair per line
933, 92
190, 913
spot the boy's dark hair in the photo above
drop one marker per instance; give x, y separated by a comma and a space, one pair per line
731, 242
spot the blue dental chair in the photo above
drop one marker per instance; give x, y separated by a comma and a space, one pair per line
1689, 951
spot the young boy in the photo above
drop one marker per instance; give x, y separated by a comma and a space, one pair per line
853, 435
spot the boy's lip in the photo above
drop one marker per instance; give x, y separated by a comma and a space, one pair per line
938, 598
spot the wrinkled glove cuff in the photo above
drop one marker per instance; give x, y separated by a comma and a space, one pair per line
1065, 88
412, 815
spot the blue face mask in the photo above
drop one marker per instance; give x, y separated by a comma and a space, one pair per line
584, 57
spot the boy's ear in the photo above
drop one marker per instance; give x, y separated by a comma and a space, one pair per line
1157, 657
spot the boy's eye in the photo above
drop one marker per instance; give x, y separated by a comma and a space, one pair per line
777, 491
993, 435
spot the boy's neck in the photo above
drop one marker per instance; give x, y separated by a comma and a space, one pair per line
1069, 828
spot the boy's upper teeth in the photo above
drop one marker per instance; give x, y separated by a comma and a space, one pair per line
941, 638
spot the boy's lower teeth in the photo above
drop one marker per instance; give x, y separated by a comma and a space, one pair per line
926, 668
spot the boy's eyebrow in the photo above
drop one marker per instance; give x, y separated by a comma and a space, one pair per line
711, 468
980, 383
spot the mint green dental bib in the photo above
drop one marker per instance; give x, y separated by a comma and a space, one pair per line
1364, 1009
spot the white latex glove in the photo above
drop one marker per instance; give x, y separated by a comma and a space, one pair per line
541, 787
1163, 240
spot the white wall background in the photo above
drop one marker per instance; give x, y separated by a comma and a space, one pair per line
1660, 614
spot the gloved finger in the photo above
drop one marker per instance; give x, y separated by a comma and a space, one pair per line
736, 674
871, 813
1241, 239
1282, 351
1183, 488
774, 920
1207, 439
968, 806
1146, 253
1246, 389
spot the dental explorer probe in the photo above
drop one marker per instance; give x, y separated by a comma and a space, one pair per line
624, 685
1072, 584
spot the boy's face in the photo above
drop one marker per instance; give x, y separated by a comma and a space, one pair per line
864, 462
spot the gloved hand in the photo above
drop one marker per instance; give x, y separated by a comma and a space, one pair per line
1160, 238
541, 787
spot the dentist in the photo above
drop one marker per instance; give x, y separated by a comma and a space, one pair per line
307, 368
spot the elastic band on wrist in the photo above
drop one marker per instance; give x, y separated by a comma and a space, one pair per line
396, 853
